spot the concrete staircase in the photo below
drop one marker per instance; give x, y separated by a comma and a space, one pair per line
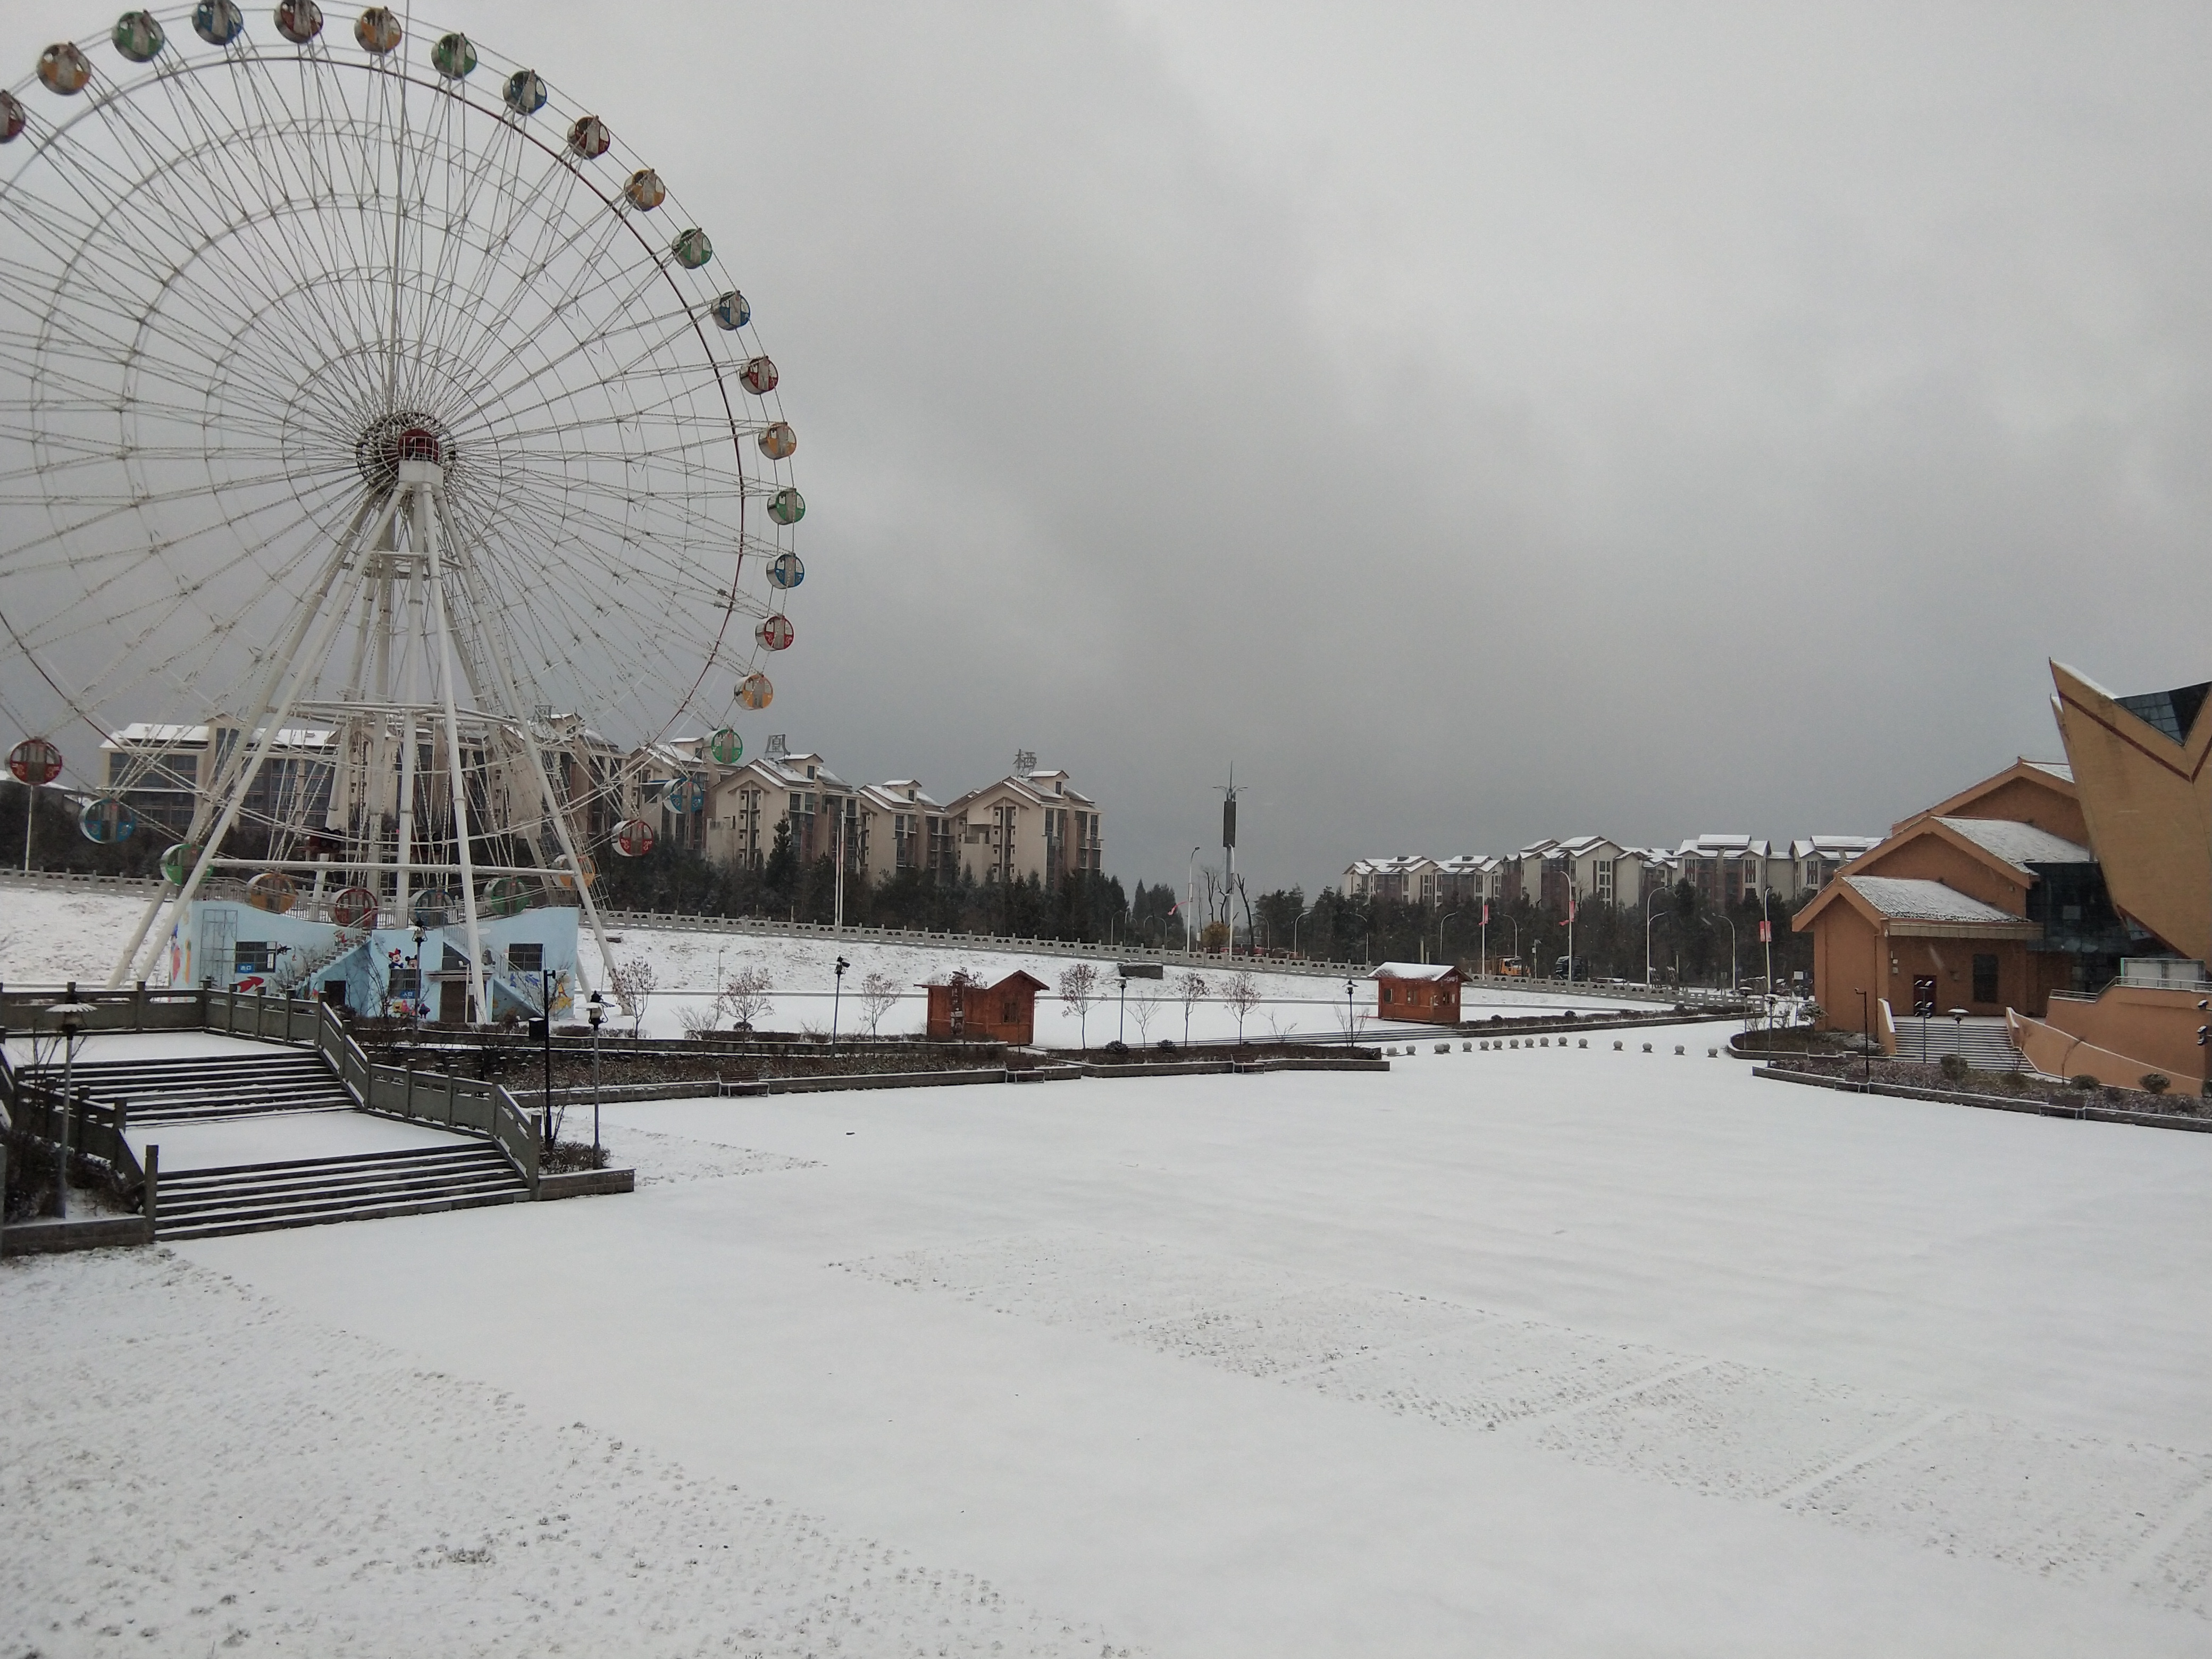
252, 1198
1983, 1042
211, 1088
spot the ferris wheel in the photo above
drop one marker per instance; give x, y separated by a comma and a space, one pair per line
361, 392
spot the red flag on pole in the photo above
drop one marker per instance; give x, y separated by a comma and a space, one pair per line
1766, 932
1485, 912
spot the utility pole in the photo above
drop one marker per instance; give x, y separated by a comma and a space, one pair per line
1229, 852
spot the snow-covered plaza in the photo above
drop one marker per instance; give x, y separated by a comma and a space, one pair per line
1553, 1351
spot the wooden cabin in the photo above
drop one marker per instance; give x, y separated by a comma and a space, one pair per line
1426, 992
966, 1009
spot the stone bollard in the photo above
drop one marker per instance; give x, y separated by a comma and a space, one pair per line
153, 1191
1647, 1047
1617, 1045
1678, 1048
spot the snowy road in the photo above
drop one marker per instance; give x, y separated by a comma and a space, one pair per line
1557, 1351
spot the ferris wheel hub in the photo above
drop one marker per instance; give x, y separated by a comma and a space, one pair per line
406, 434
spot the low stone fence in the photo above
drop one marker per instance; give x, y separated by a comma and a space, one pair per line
2032, 1108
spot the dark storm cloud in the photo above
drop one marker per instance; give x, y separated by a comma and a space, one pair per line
1473, 423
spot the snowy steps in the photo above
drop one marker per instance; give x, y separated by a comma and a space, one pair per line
252, 1198
203, 1088
1984, 1042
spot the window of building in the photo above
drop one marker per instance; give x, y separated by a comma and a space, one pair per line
1985, 978
525, 958
254, 955
405, 981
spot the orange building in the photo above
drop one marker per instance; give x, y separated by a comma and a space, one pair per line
2055, 896
963, 1009
1421, 991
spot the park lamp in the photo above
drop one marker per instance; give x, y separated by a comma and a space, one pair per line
595, 1009
70, 1016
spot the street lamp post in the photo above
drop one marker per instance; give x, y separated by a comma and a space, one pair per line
1866, 1044
597, 1007
1351, 990
836, 995
1650, 920
1189, 897
70, 1016
1441, 926
1732, 967
545, 1002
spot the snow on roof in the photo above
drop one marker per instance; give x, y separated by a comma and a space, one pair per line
904, 792
1806, 847
1414, 970
2056, 768
1721, 847
143, 734
2019, 844
1908, 899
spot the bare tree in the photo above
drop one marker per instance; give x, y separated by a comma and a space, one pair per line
697, 1021
1191, 989
1145, 1008
1079, 995
746, 995
635, 982
878, 993
1242, 994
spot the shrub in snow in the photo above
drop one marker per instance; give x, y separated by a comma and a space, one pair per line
2081, 1080
1953, 1067
2154, 1083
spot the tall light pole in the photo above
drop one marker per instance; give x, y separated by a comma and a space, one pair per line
836, 995
1441, 924
1730, 922
1189, 898
545, 1001
598, 1009
1351, 989
70, 1017
1650, 916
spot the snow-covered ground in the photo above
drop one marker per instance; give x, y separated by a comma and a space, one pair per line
1555, 1351
49, 935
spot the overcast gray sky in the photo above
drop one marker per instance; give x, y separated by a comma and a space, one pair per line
1473, 422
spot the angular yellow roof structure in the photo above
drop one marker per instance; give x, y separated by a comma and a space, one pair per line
2139, 765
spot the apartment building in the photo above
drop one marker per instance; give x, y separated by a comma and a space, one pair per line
1029, 823
1723, 869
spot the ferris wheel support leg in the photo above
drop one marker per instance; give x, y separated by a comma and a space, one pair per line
406, 814
295, 669
237, 778
559, 819
430, 540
